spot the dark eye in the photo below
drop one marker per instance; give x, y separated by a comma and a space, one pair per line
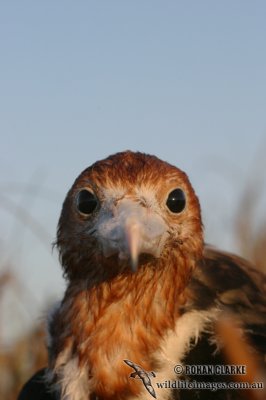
86, 202
176, 201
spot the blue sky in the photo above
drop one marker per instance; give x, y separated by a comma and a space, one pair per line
184, 80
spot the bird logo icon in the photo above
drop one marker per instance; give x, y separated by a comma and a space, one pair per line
145, 376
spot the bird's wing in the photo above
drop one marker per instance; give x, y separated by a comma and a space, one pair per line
36, 388
136, 367
237, 288
231, 284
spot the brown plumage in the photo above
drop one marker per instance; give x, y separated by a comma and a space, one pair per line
140, 285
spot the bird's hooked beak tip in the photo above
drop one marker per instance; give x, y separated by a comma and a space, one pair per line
134, 264
132, 229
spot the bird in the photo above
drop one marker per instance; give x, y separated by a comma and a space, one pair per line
143, 286
143, 375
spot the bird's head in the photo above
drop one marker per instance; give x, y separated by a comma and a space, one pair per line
125, 212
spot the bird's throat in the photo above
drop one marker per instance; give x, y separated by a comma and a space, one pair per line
122, 319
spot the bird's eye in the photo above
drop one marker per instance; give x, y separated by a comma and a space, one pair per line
86, 202
176, 201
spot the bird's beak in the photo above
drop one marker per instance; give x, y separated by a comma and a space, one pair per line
133, 231
129, 230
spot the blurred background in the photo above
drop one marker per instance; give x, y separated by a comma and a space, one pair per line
184, 80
